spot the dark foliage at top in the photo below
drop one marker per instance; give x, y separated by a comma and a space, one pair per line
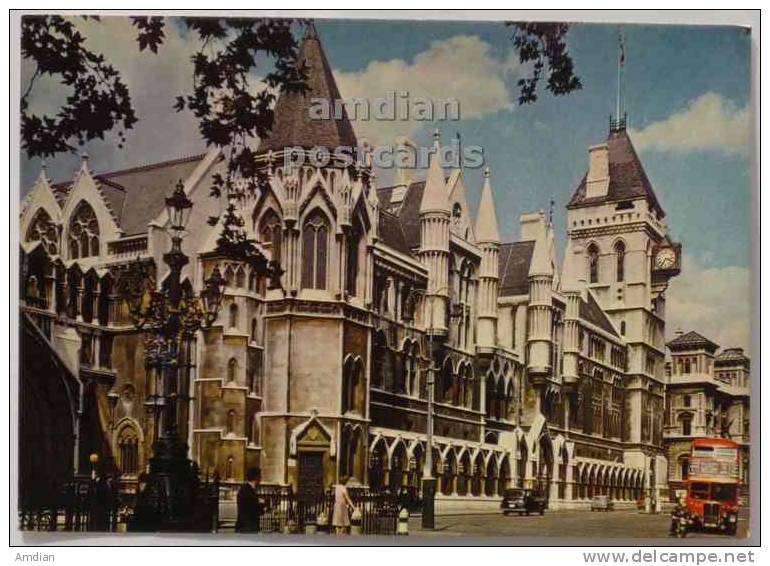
543, 45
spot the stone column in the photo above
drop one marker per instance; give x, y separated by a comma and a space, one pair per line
568, 480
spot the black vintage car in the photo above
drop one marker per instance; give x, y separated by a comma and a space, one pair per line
522, 501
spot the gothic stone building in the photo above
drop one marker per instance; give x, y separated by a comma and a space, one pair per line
708, 397
546, 375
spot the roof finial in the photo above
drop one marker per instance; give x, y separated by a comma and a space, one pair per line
436, 137
486, 172
550, 211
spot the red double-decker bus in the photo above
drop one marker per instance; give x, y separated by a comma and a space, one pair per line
713, 484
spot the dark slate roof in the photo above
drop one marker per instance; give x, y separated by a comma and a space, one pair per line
731, 356
691, 341
137, 195
292, 124
391, 233
628, 179
590, 311
514, 260
407, 213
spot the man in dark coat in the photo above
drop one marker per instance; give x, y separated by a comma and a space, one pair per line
249, 505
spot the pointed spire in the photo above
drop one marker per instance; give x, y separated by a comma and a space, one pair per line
43, 176
542, 255
297, 121
434, 197
486, 220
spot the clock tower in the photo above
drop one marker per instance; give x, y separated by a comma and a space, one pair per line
624, 257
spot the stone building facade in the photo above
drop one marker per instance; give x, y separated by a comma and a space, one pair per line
547, 374
708, 397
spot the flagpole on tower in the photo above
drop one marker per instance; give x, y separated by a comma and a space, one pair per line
621, 62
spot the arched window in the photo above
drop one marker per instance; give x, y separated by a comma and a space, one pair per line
382, 363
229, 468
233, 315
83, 232
353, 249
412, 371
620, 261
446, 382
686, 425
128, 450
232, 368
253, 333
230, 422
42, 229
684, 467
351, 386
315, 243
593, 263
270, 233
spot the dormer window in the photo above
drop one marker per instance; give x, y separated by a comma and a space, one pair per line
457, 213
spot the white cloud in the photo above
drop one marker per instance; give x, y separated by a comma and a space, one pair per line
153, 80
710, 122
713, 301
461, 67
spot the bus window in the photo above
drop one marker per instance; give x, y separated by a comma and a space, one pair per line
699, 490
723, 492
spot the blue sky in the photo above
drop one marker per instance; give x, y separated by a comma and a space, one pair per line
686, 93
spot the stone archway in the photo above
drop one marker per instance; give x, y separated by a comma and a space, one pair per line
545, 464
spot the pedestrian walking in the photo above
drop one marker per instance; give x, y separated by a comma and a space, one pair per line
250, 506
343, 506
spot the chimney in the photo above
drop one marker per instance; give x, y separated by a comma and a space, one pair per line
405, 158
532, 225
679, 332
598, 178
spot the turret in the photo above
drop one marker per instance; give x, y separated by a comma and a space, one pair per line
488, 240
434, 241
540, 311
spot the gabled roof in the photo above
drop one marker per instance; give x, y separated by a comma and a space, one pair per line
691, 341
628, 180
590, 311
514, 261
137, 195
407, 212
391, 232
292, 122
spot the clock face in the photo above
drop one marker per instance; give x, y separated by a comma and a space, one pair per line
665, 259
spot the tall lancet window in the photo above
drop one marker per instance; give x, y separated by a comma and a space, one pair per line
270, 233
83, 232
354, 247
315, 245
620, 261
593, 263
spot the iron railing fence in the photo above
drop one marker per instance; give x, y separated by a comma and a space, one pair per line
287, 512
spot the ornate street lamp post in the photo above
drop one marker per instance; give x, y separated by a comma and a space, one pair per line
170, 317
428, 481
